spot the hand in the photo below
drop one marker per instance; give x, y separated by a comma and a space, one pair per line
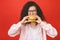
24, 19
38, 19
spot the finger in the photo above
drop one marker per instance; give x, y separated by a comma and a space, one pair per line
26, 17
26, 21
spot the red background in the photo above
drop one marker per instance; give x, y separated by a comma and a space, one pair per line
10, 14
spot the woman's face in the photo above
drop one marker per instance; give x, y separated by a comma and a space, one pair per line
32, 11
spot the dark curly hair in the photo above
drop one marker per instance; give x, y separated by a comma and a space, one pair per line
26, 7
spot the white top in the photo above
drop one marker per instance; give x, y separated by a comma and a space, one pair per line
29, 33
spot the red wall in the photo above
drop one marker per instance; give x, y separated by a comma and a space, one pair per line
10, 13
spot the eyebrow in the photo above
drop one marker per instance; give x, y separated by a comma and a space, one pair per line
31, 10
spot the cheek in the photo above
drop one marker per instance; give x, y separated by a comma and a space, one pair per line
29, 13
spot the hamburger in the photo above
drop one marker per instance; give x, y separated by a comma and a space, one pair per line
32, 18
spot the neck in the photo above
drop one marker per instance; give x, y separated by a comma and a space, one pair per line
33, 24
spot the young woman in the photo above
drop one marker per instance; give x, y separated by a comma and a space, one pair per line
32, 25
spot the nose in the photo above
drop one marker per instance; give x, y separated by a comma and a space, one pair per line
31, 13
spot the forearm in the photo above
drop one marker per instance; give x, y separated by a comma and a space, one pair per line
14, 29
50, 30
